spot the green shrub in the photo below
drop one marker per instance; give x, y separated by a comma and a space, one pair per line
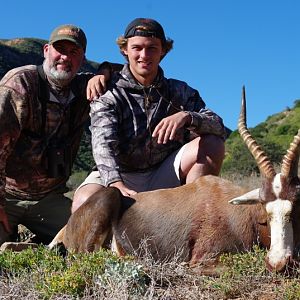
74, 275
248, 263
31, 259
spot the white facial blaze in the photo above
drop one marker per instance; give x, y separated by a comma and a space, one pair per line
281, 232
282, 242
277, 187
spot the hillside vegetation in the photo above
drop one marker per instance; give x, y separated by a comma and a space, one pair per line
25, 51
274, 136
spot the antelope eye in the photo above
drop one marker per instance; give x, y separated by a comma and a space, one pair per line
263, 220
263, 223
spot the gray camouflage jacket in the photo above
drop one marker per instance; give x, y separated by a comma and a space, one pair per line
23, 140
123, 119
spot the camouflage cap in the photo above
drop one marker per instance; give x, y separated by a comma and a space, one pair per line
70, 33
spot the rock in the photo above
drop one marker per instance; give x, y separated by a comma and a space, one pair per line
17, 246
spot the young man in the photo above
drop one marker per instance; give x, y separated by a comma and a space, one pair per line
150, 132
43, 110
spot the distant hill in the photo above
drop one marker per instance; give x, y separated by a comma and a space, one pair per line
25, 51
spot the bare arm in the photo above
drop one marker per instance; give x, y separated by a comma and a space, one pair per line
97, 84
96, 87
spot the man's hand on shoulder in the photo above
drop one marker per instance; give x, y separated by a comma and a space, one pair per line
96, 87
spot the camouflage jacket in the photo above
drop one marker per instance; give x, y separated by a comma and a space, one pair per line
123, 119
25, 138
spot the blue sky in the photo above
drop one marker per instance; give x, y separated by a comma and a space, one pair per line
219, 45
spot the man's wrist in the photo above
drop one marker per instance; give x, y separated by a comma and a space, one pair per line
189, 118
194, 122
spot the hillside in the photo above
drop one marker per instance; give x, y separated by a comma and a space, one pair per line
24, 51
274, 135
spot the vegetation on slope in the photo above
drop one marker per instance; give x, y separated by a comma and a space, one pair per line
274, 136
25, 51
45, 274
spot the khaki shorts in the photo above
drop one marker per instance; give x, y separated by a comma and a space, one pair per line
165, 176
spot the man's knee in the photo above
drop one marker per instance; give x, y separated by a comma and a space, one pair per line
212, 153
207, 145
213, 146
203, 155
83, 193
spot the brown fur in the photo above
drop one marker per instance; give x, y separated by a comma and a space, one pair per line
192, 221
89, 226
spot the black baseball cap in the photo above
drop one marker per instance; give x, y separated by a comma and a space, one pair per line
145, 27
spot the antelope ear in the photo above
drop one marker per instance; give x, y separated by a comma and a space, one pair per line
251, 197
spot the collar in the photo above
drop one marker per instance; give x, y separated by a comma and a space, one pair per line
127, 75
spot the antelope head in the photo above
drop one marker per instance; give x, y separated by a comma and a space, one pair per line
279, 194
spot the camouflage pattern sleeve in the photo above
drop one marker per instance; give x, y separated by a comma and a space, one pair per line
9, 131
13, 116
105, 141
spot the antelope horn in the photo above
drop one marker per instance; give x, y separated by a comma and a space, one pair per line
264, 164
289, 167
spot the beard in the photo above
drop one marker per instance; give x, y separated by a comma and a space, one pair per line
61, 77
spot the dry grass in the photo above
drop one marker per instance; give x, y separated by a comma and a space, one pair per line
47, 275
248, 183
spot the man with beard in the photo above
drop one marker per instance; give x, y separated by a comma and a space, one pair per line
43, 110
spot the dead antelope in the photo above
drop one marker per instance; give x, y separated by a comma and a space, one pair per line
197, 219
